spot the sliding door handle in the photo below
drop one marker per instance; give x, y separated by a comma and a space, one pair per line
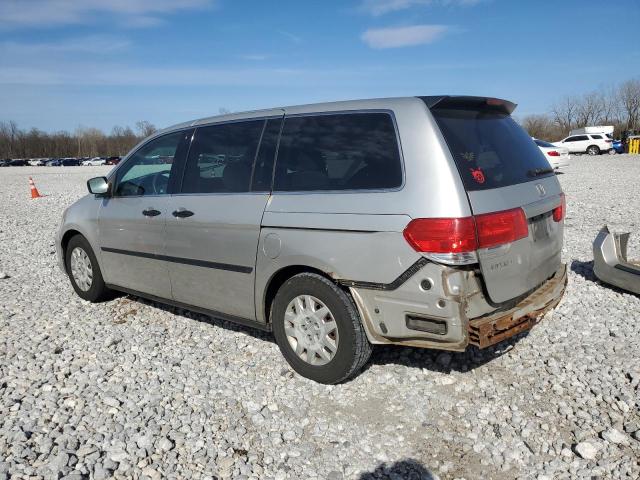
181, 213
151, 212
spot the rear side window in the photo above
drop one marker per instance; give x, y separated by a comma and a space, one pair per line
490, 149
221, 157
598, 137
350, 151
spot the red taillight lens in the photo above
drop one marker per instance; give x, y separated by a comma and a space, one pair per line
553, 153
442, 235
558, 212
459, 235
609, 141
501, 227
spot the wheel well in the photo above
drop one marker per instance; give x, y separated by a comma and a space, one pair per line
68, 235
278, 280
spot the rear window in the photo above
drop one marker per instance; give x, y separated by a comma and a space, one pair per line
542, 143
345, 151
490, 149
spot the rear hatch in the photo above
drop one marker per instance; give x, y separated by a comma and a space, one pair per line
507, 180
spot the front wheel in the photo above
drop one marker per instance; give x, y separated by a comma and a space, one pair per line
612, 151
318, 329
84, 271
593, 150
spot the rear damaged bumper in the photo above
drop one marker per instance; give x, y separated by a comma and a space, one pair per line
492, 329
438, 317
610, 262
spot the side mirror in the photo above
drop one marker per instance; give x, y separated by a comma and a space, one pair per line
98, 186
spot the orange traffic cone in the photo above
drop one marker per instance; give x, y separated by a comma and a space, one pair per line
34, 190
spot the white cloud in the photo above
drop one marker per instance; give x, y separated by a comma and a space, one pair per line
294, 38
394, 37
94, 44
256, 57
380, 7
16, 13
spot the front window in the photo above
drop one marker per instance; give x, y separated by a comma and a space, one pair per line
149, 170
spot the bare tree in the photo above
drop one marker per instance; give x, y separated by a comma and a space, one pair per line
629, 96
564, 113
145, 128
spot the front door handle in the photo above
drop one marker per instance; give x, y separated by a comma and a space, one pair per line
182, 213
151, 212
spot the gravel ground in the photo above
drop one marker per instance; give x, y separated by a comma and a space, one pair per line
132, 389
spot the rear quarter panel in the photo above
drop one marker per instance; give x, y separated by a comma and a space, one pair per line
357, 235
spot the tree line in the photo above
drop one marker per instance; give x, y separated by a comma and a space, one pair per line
83, 142
618, 106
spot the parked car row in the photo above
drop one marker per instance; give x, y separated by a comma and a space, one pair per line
59, 162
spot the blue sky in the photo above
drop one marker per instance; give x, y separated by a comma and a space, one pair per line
100, 63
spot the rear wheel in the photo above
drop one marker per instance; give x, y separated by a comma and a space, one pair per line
593, 150
84, 271
318, 329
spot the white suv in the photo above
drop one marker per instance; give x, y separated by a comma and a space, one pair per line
592, 143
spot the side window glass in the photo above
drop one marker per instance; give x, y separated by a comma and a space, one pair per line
599, 137
582, 137
353, 151
221, 158
148, 171
263, 170
570, 139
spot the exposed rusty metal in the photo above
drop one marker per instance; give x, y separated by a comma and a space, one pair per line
487, 331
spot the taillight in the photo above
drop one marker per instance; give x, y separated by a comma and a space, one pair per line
553, 153
455, 240
558, 212
442, 235
503, 227
609, 141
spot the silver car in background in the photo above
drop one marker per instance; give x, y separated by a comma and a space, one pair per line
422, 221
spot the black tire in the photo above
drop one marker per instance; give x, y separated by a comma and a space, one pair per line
353, 349
593, 150
97, 291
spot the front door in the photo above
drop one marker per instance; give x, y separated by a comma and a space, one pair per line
214, 224
132, 219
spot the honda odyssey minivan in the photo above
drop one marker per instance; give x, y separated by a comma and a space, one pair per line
425, 221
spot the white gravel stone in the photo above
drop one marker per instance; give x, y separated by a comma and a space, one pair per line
131, 389
586, 450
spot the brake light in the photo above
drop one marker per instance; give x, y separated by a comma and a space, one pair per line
455, 236
442, 235
609, 141
503, 227
558, 212
553, 153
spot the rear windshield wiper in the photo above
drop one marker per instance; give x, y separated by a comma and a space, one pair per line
536, 172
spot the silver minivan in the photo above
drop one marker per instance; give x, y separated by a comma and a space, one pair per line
422, 221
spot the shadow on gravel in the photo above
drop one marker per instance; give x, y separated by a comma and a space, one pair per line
440, 360
406, 469
584, 269
199, 317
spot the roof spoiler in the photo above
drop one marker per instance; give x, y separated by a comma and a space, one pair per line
460, 102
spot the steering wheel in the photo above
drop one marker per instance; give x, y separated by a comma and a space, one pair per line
160, 182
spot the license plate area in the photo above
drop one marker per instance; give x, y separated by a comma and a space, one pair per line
540, 227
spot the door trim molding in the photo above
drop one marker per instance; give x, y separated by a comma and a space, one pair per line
185, 261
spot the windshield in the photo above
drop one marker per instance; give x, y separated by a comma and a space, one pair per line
490, 149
